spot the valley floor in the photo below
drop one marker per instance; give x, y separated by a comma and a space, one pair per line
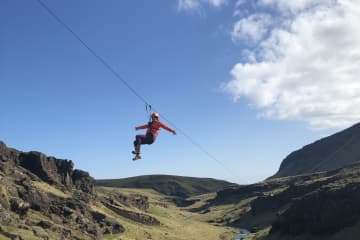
175, 223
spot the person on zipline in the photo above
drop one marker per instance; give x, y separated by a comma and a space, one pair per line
152, 130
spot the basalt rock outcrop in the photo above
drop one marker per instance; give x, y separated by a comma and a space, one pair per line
56, 171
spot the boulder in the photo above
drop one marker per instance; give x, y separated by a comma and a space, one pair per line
83, 181
19, 206
38, 200
45, 224
109, 225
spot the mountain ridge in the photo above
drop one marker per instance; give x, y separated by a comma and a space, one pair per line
335, 151
171, 185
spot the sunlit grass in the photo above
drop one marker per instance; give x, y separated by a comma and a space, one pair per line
176, 224
50, 189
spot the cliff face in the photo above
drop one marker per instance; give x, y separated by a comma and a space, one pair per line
330, 153
57, 172
45, 198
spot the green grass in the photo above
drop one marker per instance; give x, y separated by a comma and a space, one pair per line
113, 237
50, 189
2, 237
23, 233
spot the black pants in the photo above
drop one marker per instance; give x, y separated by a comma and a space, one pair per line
143, 139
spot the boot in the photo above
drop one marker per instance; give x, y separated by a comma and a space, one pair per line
137, 157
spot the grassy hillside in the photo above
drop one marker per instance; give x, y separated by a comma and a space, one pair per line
169, 185
175, 223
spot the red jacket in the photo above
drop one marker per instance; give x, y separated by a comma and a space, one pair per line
154, 128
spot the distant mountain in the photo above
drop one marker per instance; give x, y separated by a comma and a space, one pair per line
169, 185
330, 153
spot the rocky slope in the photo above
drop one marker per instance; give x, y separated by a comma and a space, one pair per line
326, 154
45, 198
314, 206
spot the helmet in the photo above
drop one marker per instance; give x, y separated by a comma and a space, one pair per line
155, 115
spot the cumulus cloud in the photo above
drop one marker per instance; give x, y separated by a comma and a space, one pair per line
251, 28
190, 5
307, 68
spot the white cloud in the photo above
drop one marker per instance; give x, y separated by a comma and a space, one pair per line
307, 69
251, 28
295, 6
191, 5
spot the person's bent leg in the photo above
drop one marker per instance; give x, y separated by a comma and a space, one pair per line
137, 143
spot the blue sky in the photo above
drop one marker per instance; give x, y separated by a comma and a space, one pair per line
231, 74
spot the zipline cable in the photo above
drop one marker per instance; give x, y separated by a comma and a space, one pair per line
100, 59
138, 95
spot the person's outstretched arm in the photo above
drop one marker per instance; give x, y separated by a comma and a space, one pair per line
164, 126
142, 127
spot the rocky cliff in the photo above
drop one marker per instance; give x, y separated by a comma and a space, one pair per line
44, 197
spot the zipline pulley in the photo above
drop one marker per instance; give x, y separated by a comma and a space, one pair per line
148, 111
